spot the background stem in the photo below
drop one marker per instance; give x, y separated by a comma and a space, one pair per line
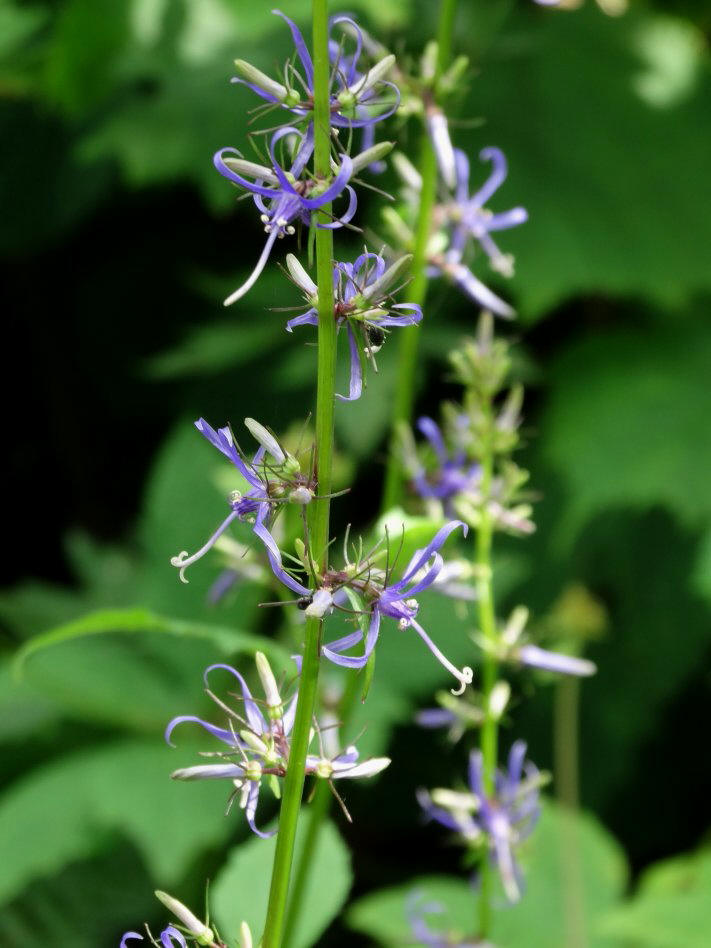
490, 670
404, 396
325, 405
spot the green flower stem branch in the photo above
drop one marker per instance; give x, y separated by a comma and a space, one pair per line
325, 406
407, 353
487, 628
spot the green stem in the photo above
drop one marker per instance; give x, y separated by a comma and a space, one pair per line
565, 766
407, 351
325, 402
490, 670
318, 811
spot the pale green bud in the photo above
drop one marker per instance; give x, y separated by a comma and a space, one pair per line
266, 676
198, 929
266, 439
371, 155
260, 79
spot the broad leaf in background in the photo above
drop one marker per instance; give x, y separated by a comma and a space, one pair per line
69, 810
561, 95
671, 908
241, 890
86, 666
626, 424
540, 919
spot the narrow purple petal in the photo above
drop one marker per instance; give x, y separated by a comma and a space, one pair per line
347, 215
462, 167
245, 183
555, 662
433, 546
260, 92
476, 773
219, 732
170, 933
480, 293
332, 651
356, 380
306, 319
251, 809
497, 177
254, 715
301, 48
507, 219
274, 557
129, 936
435, 717
517, 755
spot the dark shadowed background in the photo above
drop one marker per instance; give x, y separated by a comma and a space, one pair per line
119, 241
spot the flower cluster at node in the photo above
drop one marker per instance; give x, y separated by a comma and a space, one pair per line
273, 476
359, 96
372, 594
363, 293
498, 822
188, 925
462, 220
257, 742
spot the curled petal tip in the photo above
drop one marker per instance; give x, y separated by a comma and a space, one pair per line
467, 677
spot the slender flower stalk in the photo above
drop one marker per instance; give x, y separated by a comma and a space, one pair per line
407, 353
325, 402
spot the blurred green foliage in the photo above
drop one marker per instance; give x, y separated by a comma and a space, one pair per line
120, 241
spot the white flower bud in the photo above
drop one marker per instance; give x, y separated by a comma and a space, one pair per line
258, 78
266, 439
373, 75
266, 676
300, 276
371, 155
245, 936
197, 928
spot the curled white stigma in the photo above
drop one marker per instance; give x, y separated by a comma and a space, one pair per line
466, 677
181, 563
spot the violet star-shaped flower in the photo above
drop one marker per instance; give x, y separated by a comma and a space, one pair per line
453, 476
500, 821
380, 598
285, 196
356, 94
469, 217
362, 304
272, 476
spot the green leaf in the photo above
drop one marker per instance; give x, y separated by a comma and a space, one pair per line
64, 811
551, 89
84, 666
241, 890
671, 909
557, 882
639, 394
139, 620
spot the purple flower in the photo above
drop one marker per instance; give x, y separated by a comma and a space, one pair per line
359, 97
499, 822
258, 744
468, 216
455, 475
362, 304
380, 598
285, 196
166, 938
274, 477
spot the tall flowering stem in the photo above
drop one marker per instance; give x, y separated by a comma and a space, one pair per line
407, 352
325, 402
